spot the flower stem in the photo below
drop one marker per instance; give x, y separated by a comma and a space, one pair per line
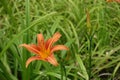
90, 56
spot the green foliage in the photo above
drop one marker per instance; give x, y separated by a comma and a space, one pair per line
90, 28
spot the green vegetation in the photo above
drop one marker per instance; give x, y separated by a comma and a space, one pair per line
90, 28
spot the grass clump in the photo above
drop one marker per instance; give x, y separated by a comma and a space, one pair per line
89, 28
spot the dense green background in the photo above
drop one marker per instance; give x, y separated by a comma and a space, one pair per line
90, 28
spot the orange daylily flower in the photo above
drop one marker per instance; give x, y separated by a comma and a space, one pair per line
44, 49
113, 0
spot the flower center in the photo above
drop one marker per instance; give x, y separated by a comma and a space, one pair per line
45, 53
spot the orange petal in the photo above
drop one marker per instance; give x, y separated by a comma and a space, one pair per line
51, 59
117, 1
52, 40
59, 47
31, 48
32, 59
34, 46
40, 40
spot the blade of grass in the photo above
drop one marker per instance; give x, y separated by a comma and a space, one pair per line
56, 75
82, 67
6, 73
116, 69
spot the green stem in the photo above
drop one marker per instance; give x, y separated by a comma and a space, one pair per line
27, 18
63, 70
26, 38
61, 65
90, 56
